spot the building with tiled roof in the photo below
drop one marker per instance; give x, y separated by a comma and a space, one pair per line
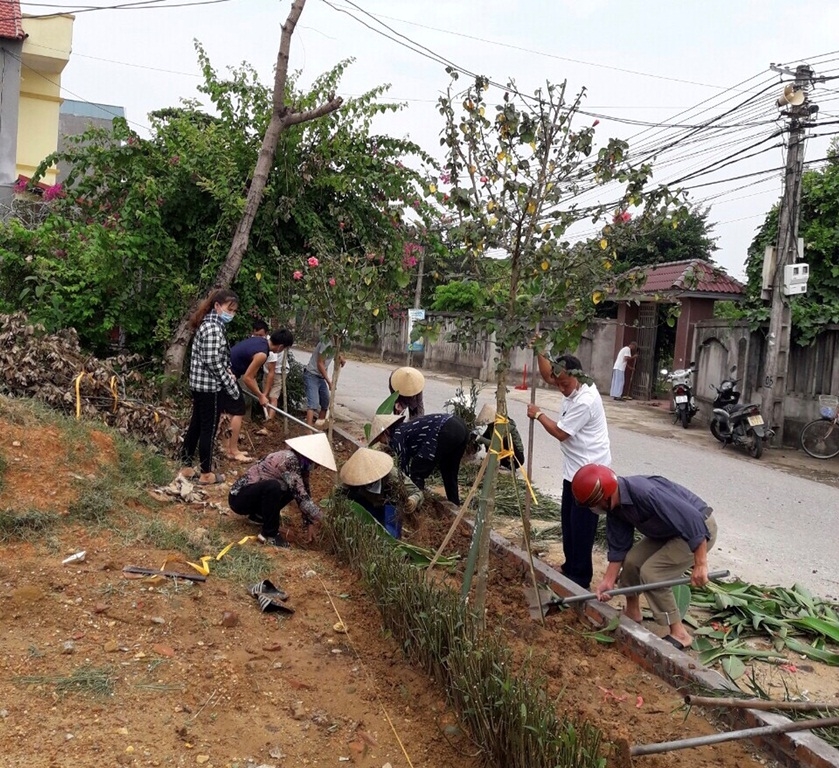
693, 277
660, 314
11, 24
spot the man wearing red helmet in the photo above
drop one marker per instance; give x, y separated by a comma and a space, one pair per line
678, 529
584, 439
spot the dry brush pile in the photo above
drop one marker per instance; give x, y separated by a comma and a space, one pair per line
53, 369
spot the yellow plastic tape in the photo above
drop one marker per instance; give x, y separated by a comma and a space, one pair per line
114, 392
77, 382
505, 453
204, 567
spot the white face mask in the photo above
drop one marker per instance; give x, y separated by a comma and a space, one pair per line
375, 487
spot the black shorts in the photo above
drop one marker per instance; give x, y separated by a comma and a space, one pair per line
232, 406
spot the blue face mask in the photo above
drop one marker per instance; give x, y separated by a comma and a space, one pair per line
226, 316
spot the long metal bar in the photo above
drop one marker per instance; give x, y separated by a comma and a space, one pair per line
718, 738
639, 588
287, 415
761, 704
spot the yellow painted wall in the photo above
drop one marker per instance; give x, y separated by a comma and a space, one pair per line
46, 52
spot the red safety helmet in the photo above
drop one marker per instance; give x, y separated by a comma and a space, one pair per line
593, 483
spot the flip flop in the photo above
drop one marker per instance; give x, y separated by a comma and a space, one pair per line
217, 479
268, 604
675, 643
267, 588
242, 458
262, 431
188, 473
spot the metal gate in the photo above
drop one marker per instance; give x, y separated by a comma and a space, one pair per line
644, 374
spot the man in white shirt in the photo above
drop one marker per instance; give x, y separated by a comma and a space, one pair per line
582, 435
626, 354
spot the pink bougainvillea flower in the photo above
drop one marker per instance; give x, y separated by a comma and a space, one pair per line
312, 261
298, 275
622, 217
484, 179
446, 178
332, 281
50, 193
409, 261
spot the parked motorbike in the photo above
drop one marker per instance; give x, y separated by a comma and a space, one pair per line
684, 402
737, 424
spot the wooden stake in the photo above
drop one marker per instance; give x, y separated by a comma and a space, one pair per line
761, 704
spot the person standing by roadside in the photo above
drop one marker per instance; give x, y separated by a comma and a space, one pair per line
678, 529
210, 378
317, 381
584, 439
626, 356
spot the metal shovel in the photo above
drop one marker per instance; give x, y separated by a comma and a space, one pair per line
539, 603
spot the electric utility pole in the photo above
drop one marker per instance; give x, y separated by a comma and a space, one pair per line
799, 111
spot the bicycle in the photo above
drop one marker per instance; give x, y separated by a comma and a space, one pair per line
820, 438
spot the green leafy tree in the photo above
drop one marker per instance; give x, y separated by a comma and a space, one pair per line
819, 228
146, 224
514, 175
639, 242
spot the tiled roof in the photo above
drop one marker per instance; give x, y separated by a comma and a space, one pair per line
688, 277
11, 27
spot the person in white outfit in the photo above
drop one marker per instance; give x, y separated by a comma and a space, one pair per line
583, 435
626, 354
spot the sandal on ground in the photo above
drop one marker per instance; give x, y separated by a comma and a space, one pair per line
267, 588
217, 479
268, 604
262, 431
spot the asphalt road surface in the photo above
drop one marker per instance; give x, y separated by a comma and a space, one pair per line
775, 526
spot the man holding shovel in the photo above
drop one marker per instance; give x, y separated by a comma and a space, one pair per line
678, 529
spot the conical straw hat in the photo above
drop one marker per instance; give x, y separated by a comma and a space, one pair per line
314, 447
381, 423
407, 381
486, 415
366, 466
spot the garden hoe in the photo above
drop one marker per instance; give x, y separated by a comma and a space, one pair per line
539, 603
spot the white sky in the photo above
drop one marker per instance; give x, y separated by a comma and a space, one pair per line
144, 59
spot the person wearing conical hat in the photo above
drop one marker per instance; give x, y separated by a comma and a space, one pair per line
281, 477
437, 440
371, 479
409, 382
511, 442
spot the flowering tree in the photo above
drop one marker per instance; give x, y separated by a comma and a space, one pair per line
349, 288
515, 182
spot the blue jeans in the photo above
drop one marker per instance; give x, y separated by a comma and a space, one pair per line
317, 393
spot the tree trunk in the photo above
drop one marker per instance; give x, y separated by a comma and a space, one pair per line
281, 118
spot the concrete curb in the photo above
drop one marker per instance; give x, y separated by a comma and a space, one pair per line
654, 655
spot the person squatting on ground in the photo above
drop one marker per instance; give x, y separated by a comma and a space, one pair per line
246, 358
210, 378
372, 480
317, 382
272, 378
678, 529
436, 440
625, 356
584, 439
281, 477
512, 442
409, 382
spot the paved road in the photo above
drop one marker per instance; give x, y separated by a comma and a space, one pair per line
776, 527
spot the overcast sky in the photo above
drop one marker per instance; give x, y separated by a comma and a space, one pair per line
679, 62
